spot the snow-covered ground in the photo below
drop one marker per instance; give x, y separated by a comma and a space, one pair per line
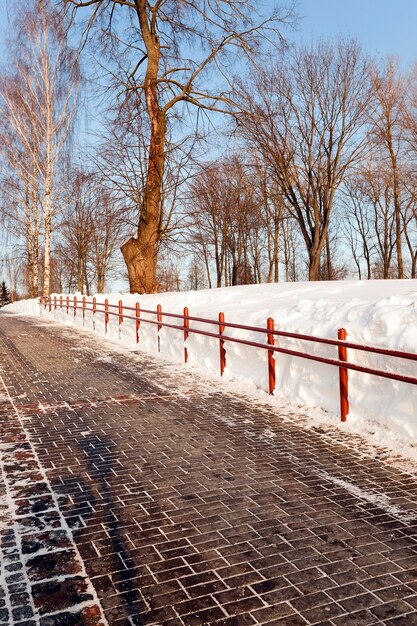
378, 313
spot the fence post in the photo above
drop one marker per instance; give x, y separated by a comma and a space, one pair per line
159, 318
137, 312
54, 303
50, 303
67, 303
75, 306
343, 377
186, 327
106, 314
84, 304
94, 312
60, 302
120, 317
222, 348
271, 359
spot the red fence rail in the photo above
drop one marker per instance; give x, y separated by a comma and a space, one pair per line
341, 343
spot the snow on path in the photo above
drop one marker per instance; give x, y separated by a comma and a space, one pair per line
378, 498
20, 498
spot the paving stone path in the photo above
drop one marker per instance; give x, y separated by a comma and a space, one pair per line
131, 495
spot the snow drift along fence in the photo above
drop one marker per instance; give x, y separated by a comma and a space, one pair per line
119, 311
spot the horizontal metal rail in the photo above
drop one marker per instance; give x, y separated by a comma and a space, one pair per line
342, 364
278, 333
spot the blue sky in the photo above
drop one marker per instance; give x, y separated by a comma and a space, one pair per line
383, 26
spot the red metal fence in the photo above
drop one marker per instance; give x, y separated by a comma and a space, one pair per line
342, 345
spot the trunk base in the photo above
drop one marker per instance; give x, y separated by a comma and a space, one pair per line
141, 266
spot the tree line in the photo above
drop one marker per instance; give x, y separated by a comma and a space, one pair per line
315, 150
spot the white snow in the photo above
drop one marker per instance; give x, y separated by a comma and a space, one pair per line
378, 498
377, 313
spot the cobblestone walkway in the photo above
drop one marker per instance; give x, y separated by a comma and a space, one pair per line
126, 498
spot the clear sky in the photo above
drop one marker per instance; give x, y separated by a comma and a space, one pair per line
383, 26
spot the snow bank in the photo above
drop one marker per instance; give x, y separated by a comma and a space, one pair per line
379, 313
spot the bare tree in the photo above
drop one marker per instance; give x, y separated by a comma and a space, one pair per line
378, 187
175, 45
207, 220
107, 228
77, 227
387, 131
121, 161
307, 113
90, 228
409, 122
226, 221
357, 222
272, 213
19, 172
39, 99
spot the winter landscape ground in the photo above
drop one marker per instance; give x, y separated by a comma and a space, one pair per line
375, 313
238, 448
137, 490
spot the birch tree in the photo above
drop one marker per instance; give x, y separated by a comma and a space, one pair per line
19, 172
50, 78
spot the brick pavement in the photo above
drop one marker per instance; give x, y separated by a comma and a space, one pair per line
125, 495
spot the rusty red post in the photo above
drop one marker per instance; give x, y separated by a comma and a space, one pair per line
120, 317
137, 311
186, 327
106, 314
222, 348
271, 359
159, 318
54, 303
50, 303
60, 302
343, 377
67, 303
75, 306
94, 312
84, 305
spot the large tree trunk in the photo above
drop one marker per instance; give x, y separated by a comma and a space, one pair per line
80, 273
100, 281
140, 252
314, 265
140, 259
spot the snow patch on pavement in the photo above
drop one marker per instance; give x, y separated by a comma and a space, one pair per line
378, 498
